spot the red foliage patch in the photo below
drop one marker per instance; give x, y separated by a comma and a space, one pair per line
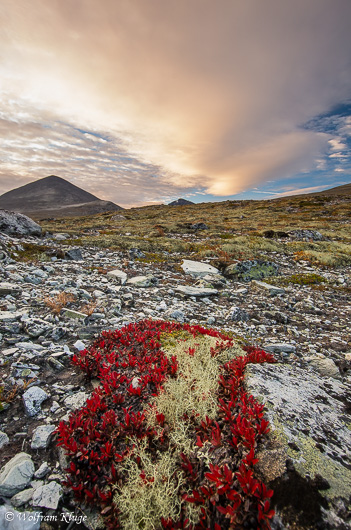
97, 437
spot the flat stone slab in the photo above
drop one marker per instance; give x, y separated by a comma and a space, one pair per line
16, 474
70, 313
32, 399
199, 292
197, 269
278, 348
326, 367
48, 495
142, 281
272, 289
9, 288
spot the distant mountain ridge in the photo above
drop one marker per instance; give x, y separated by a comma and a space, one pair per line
180, 202
54, 197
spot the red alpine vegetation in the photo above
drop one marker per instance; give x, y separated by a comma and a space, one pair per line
99, 436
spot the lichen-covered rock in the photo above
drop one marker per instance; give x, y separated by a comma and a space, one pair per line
308, 417
32, 399
17, 224
251, 270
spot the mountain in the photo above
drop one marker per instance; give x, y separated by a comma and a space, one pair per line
54, 197
345, 189
180, 202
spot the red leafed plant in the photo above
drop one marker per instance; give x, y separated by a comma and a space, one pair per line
100, 437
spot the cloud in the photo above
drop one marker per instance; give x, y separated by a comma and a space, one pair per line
197, 94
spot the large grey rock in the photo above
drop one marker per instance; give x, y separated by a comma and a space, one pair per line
308, 418
198, 292
16, 474
48, 495
41, 436
197, 269
32, 399
17, 224
251, 270
118, 275
306, 235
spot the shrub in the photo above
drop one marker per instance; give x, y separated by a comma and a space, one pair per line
148, 463
57, 303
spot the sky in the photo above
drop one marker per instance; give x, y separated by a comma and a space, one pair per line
144, 101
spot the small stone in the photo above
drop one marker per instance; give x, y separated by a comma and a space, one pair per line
70, 313
272, 289
4, 439
48, 496
142, 281
76, 400
118, 275
41, 436
22, 497
43, 470
278, 348
198, 292
74, 255
16, 474
33, 398
326, 367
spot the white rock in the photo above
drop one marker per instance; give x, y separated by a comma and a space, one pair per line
33, 399
16, 474
41, 436
141, 281
79, 345
118, 275
48, 496
197, 269
76, 400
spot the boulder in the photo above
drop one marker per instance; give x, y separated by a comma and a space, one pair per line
197, 269
18, 225
16, 474
251, 270
308, 419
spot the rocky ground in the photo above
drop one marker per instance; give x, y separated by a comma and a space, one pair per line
51, 308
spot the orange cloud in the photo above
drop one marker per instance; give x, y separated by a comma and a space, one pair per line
213, 93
